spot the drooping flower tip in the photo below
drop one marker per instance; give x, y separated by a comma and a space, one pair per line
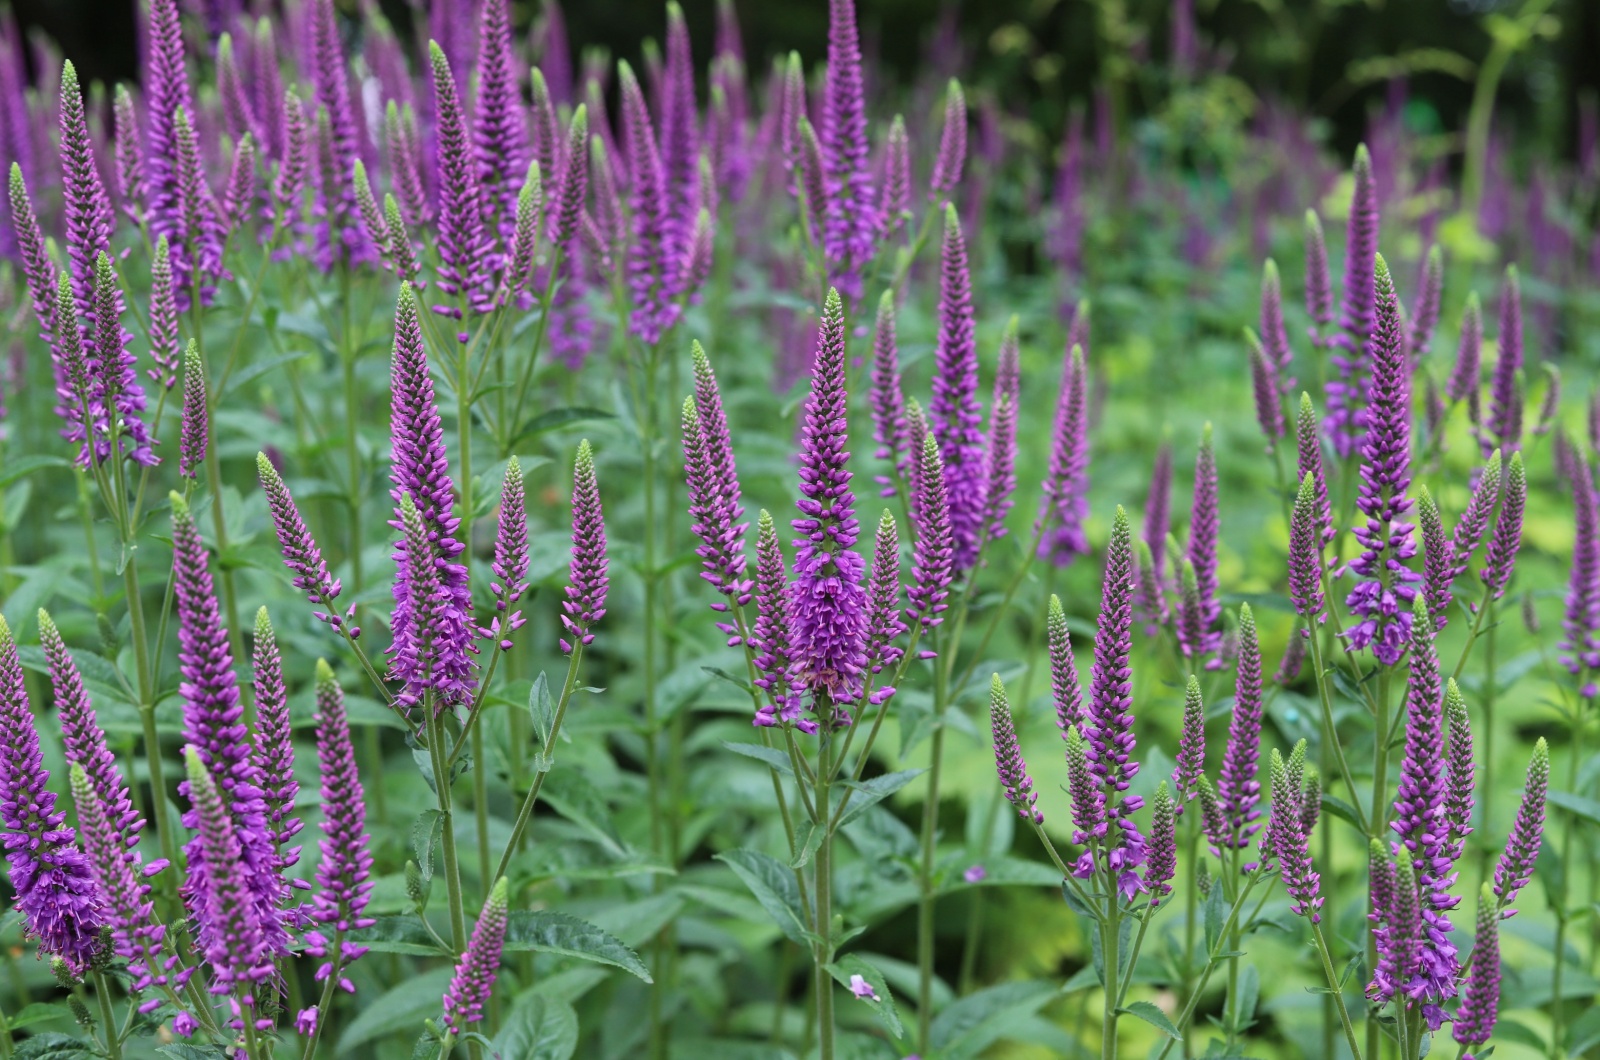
1008, 761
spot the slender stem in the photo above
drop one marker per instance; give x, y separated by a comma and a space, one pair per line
1111, 930
824, 894
452, 867
1574, 766
1133, 957
147, 710
1333, 985
1187, 1014
930, 826
1330, 734
543, 327
526, 813
102, 994
999, 612
327, 996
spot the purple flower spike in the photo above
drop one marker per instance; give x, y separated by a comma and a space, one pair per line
1008, 756
896, 178
723, 470
1157, 505
402, 252
1163, 860
274, 748
1203, 528
1425, 313
680, 139
1238, 789
1308, 449
828, 604
769, 635
197, 238
954, 413
1274, 333
1088, 800
525, 231
952, 156
475, 975
55, 890
401, 140
1288, 837
1264, 384
1399, 939
812, 182
372, 220
708, 512
586, 592
545, 126
289, 182
215, 730
118, 387
888, 400
499, 133
883, 593
129, 155
85, 204
850, 217
340, 901
1480, 997
1065, 502
1459, 771
1348, 388
1464, 378
238, 195
83, 741
510, 565
1319, 287
1580, 647
238, 114
166, 90
235, 947
136, 934
463, 247
338, 235
1001, 475
1470, 529
194, 431
571, 327
74, 388
1501, 554
37, 269
1436, 562
931, 570
1382, 599
1065, 690
1191, 764
1505, 398
1305, 556
164, 348
1515, 867
653, 309
300, 552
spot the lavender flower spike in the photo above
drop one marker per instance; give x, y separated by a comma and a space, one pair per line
235, 948
1357, 315
1515, 867
1505, 398
1064, 687
1470, 527
300, 552
954, 412
475, 974
828, 603
1308, 449
1501, 554
1288, 837
85, 204
649, 263
1465, 377
1203, 521
1269, 413
1436, 562
1382, 599
1088, 800
1319, 288
930, 564
343, 886
721, 465
769, 634
1008, 756
1064, 502
884, 594
896, 204
163, 318
194, 432
952, 156
499, 131
1579, 648
463, 247
1238, 789
888, 400
274, 747
1274, 334
82, 738
1305, 556
510, 565
1480, 1001
586, 591
55, 891
1163, 863
850, 216
1425, 314
1002, 474
1191, 764
118, 383
1459, 769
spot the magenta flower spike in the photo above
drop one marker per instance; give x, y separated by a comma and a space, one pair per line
337, 234
1437, 567
1286, 830
954, 413
83, 741
544, 127
1501, 554
1162, 865
1191, 763
1157, 506
238, 194
55, 889
300, 552
1515, 867
372, 219
1238, 789
1425, 312
1001, 475
1305, 556
1465, 376
708, 513
1065, 690
828, 604
289, 181
931, 569
883, 595
463, 246
793, 113
475, 974
343, 886
166, 91
1264, 385
118, 387
197, 246
194, 430
1480, 997
401, 144
1580, 647
1088, 800
896, 212
235, 945
888, 399
1459, 769
511, 560
850, 212
719, 450
1382, 598
1347, 389
75, 390
952, 155
1470, 529
274, 746
499, 131
586, 591
238, 113
812, 182
86, 207
1319, 287
1064, 504
1008, 756
129, 155
680, 144
1274, 333
1308, 451
164, 348
420, 470
570, 327
1505, 397
769, 634
38, 271
215, 730
653, 309
402, 252
1203, 527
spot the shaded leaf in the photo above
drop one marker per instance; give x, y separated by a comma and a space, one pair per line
773, 884
1148, 1012
551, 932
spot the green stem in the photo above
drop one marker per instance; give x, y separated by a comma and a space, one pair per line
1333, 985
327, 996
452, 866
147, 710
1574, 766
102, 994
930, 825
1110, 932
525, 814
824, 894
1189, 1006
1330, 734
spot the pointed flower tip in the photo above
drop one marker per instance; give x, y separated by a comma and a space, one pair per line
180, 507
263, 624
324, 672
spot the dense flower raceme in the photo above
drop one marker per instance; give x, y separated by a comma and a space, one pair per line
480, 964
343, 886
586, 588
1353, 361
955, 413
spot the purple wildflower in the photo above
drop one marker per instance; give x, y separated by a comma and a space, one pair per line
525, 229
1459, 772
129, 155
724, 474
1203, 522
1001, 475
118, 388
1480, 998
338, 235
1425, 314
164, 349
289, 182
952, 155
1088, 799
1264, 384
274, 747
300, 552
38, 270
1469, 530
510, 564
570, 326
954, 413
340, 901
769, 634
931, 570
475, 974
1308, 449
166, 91
1274, 334
1505, 398
402, 253
372, 220
851, 222
1288, 837
235, 946
401, 140
1352, 360
1191, 764
499, 133
197, 248
1319, 288
1580, 648
84, 201
1065, 501
1515, 867
194, 431
1464, 378
1163, 859
883, 594
586, 591
1238, 789
653, 309
463, 247
888, 400
1501, 553
1008, 756
1305, 556
896, 206
1065, 690
1436, 564
238, 194
680, 139
1399, 938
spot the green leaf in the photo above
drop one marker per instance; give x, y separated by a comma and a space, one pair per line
551, 932
574, 796
52, 1046
399, 934
1340, 808
1216, 913
1519, 1034
185, 1051
1147, 1011
18, 467
554, 419
970, 1025
38, 1012
538, 1028
1584, 1033
809, 845
425, 832
1244, 1006
773, 884
869, 793
767, 755
400, 1010
542, 709
1586, 808
843, 968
